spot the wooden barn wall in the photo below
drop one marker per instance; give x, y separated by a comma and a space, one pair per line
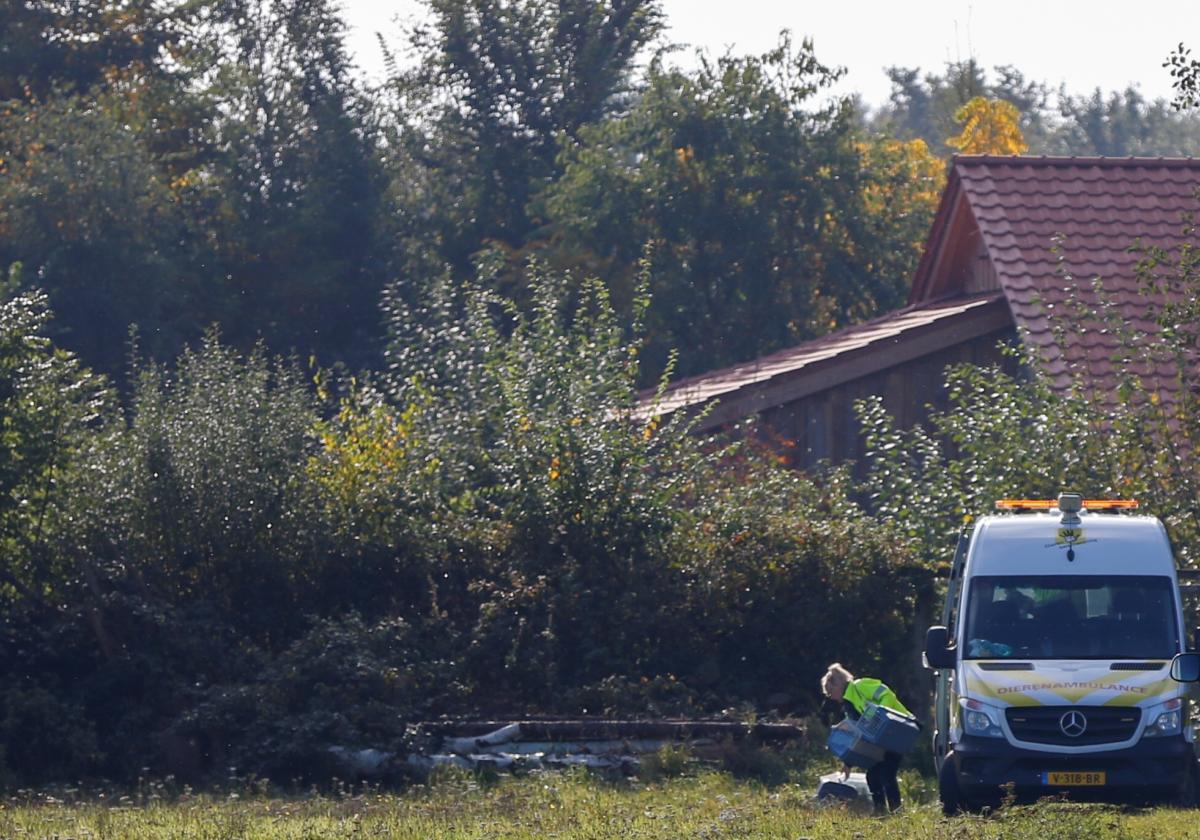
823, 427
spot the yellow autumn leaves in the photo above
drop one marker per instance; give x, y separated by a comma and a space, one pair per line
908, 175
365, 445
989, 127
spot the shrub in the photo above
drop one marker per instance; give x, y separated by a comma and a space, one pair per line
786, 576
44, 736
495, 525
343, 684
671, 761
599, 555
556, 509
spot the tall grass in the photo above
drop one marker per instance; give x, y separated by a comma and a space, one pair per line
707, 805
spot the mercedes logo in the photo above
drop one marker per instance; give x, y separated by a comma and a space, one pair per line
1073, 724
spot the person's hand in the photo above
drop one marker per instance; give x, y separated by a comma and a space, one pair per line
845, 771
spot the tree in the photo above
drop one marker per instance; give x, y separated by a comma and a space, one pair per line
235, 181
52, 411
295, 188
99, 225
76, 45
989, 127
99, 142
480, 117
1186, 72
902, 185
758, 206
49, 405
1118, 123
924, 107
1123, 123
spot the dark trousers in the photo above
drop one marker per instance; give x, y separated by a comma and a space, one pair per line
881, 781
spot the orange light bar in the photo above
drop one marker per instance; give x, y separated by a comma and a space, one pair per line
1047, 504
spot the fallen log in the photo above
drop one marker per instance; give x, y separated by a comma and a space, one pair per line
629, 745
600, 729
503, 735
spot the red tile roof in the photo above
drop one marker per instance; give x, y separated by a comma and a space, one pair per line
1091, 210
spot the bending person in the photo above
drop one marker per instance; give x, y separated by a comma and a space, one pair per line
839, 685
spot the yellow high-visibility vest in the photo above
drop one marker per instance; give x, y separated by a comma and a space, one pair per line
870, 690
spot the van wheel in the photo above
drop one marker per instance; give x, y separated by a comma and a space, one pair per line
948, 790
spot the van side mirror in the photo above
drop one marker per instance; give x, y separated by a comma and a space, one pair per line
1185, 667
938, 652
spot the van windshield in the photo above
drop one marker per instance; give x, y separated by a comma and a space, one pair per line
1071, 617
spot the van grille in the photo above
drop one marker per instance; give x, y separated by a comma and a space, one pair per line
1136, 666
1043, 724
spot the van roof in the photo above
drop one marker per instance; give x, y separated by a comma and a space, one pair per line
1040, 544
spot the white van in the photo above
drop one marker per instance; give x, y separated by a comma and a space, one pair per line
1053, 660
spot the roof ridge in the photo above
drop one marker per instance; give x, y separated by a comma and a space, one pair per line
1129, 162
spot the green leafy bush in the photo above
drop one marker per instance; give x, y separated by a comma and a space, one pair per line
625, 558
495, 525
343, 684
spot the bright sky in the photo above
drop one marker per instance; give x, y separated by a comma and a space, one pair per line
1087, 44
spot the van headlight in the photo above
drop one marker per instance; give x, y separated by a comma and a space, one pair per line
1164, 719
980, 719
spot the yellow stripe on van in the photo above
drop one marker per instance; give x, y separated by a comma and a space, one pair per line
1048, 689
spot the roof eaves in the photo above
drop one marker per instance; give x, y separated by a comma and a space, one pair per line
985, 315
734, 383
742, 369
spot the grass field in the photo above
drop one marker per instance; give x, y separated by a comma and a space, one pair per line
708, 805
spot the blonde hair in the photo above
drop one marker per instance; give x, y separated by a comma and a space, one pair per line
835, 676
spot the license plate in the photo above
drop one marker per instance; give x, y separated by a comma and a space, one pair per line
1074, 779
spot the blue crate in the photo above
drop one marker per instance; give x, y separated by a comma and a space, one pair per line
893, 731
848, 743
